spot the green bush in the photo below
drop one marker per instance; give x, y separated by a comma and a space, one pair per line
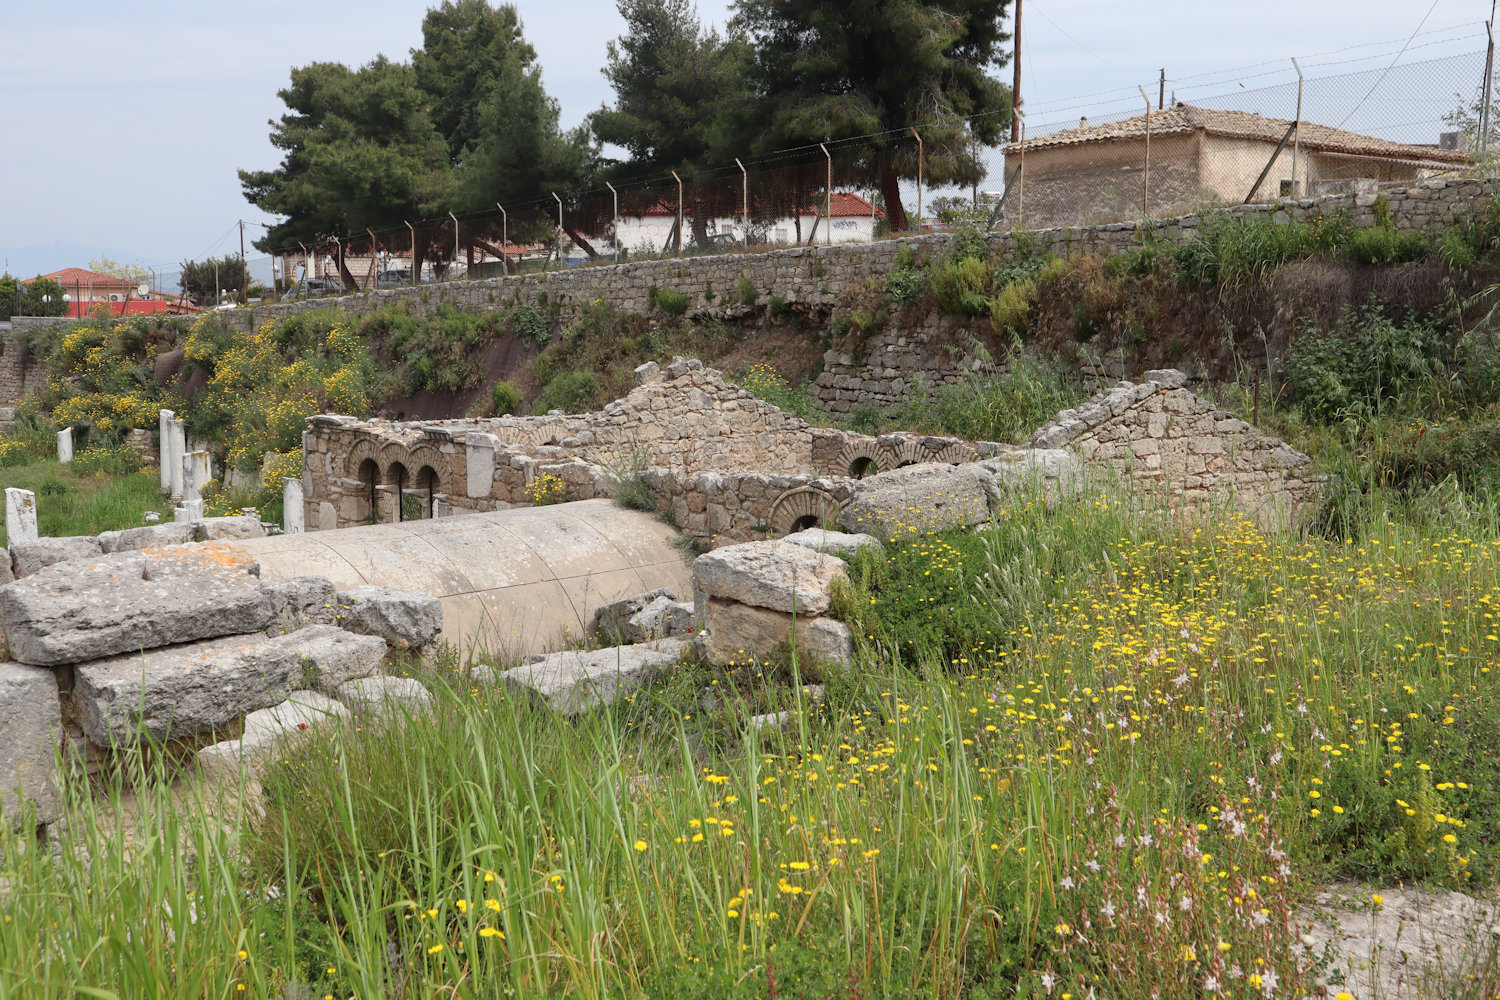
962, 287
13, 453
570, 392
671, 302
529, 323
749, 294
504, 399
440, 351
113, 460
1010, 309
1478, 356
905, 284
1359, 367
1383, 244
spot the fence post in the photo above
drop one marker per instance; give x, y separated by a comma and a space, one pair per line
920, 155
1297, 136
1146, 174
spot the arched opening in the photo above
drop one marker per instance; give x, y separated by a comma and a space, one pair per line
804, 522
862, 467
369, 479
396, 479
425, 489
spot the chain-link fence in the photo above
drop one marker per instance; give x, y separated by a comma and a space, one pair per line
1298, 129
1351, 120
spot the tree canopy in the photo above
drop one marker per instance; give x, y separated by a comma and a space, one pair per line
875, 68
466, 123
203, 281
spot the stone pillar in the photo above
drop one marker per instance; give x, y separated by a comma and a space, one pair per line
65, 445
194, 474
480, 453
190, 511
176, 453
164, 449
293, 512
20, 516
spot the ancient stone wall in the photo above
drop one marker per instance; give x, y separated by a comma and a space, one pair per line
1158, 435
684, 422
19, 373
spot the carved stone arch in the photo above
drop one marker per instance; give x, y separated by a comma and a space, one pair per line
363, 449
857, 459
427, 455
955, 453
392, 454
908, 452
803, 507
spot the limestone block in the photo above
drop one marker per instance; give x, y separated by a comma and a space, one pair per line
6, 575
926, 497
736, 632
836, 543
299, 602
376, 693
634, 619
130, 601
20, 516
269, 727
149, 537
214, 529
331, 657
30, 729
776, 575
29, 557
572, 682
164, 465
293, 507
65, 445
181, 690
401, 617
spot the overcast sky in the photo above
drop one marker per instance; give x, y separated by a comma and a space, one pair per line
124, 124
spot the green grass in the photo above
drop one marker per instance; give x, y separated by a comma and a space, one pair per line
1091, 706
70, 503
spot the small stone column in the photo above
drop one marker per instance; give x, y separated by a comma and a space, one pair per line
194, 474
164, 448
176, 453
20, 516
65, 445
293, 512
190, 511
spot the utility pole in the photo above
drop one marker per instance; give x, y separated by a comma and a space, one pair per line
244, 269
1161, 89
1015, 90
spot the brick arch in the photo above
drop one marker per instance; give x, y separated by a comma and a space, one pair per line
908, 452
390, 455
803, 507
363, 449
955, 453
858, 458
425, 455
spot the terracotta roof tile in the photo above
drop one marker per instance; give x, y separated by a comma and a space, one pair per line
70, 276
1185, 118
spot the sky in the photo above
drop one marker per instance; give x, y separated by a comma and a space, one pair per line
124, 124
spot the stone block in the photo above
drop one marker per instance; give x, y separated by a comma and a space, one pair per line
6, 575
331, 657
299, 602
737, 632
29, 557
269, 727
151, 536
922, 498
181, 690
223, 529
403, 618
20, 516
572, 682
373, 694
129, 601
293, 508
776, 575
30, 733
835, 543
634, 619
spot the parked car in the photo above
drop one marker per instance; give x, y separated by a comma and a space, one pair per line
717, 243
309, 288
396, 277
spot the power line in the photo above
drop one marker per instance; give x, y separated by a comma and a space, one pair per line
1392, 66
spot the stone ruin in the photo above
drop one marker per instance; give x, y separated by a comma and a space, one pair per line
134, 636
726, 467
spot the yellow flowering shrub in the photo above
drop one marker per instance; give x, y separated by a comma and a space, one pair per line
547, 488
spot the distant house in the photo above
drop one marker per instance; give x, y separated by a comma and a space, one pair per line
1199, 156
854, 221
89, 292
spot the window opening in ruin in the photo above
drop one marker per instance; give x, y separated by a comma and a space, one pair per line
862, 467
804, 522
396, 479
426, 490
369, 479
